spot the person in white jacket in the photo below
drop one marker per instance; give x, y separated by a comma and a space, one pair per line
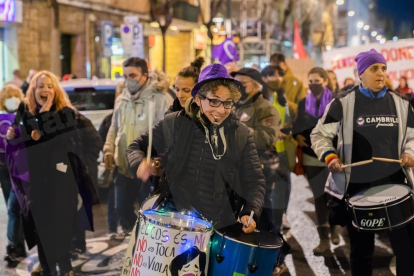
370, 121
130, 120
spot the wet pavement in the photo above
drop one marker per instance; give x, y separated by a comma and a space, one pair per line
104, 257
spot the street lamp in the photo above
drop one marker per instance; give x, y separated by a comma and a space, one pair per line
374, 33
366, 27
339, 2
379, 37
382, 41
395, 38
360, 24
351, 13
364, 38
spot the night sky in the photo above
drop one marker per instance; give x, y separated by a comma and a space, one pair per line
397, 10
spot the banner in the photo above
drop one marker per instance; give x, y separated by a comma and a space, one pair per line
6, 121
226, 52
16, 160
399, 56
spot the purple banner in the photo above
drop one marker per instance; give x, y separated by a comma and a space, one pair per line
226, 51
16, 160
6, 121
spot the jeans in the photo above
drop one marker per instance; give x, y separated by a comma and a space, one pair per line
14, 225
5, 182
127, 190
112, 215
362, 250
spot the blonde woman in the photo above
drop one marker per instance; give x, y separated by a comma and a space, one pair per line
10, 98
46, 122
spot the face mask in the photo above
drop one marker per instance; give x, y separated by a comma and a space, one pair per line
133, 86
12, 104
316, 89
274, 84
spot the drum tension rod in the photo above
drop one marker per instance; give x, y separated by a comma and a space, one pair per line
219, 257
253, 267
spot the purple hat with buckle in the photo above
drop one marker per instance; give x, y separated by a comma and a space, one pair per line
213, 72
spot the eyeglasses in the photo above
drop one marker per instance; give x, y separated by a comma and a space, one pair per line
217, 103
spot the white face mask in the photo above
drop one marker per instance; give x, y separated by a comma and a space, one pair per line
12, 104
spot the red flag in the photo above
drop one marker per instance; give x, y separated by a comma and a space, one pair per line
298, 49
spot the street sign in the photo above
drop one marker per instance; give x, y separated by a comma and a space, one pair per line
107, 32
133, 40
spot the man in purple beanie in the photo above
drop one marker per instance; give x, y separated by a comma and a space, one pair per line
370, 121
209, 157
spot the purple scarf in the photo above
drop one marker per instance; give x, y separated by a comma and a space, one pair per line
310, 105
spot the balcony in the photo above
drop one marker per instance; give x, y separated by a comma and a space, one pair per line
185, 11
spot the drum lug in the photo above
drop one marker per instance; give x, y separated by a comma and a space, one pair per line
252, 268
219, 258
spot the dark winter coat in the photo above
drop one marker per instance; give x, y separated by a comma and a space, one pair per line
176, 106
52, 193
217, 188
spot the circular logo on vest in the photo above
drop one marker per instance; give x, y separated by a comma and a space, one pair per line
360, 121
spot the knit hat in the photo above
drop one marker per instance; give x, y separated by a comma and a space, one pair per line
366, 59
212, 72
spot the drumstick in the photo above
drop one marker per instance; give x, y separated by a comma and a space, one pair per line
357, 164
387, 160
250, 218
150, 122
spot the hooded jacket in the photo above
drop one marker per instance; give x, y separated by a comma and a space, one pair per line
236, 175
130, 118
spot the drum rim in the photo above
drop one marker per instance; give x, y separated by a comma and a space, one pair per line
170, 226
147, 199
382, 204
250, 244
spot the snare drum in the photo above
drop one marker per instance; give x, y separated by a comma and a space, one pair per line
234, 252
168, 243
382, 207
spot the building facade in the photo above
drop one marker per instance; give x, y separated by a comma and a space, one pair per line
64, 36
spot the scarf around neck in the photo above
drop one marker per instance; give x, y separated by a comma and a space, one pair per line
311, 103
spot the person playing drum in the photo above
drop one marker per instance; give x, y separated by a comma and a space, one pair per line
209, 157
370, 121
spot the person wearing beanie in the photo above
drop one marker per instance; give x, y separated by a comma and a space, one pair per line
208, 155
371, 121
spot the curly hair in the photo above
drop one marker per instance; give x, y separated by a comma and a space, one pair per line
212, 86
8, 91
61, 98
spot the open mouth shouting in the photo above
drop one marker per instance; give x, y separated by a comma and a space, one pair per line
43, 98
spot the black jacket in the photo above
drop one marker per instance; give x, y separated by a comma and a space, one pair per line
238, 177
303, 125
176, 106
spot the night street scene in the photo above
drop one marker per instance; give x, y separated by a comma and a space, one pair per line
207, 137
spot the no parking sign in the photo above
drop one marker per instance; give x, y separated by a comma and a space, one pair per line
132, 38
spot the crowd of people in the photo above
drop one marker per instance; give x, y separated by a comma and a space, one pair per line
225, 137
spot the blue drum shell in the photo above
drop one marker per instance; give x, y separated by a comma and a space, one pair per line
237, 255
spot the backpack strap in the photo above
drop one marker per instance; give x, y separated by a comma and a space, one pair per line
168, 130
